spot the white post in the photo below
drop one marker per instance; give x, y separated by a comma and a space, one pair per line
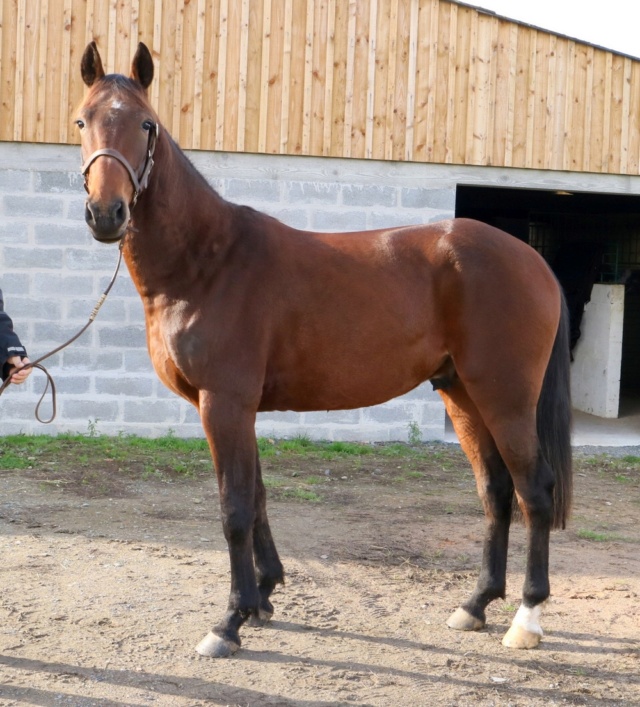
595, 371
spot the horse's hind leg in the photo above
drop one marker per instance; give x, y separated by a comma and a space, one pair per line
496, 492
513, 428
534, 483
269, 570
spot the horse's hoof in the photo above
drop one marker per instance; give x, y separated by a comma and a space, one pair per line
212, 646
260, 619
519, 637
525, 631
462, 620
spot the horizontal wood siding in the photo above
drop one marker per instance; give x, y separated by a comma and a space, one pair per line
415, 80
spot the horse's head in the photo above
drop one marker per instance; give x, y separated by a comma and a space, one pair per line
118, 133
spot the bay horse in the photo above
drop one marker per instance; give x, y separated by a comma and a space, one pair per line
245, 314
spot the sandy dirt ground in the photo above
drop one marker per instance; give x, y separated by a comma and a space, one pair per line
107, 587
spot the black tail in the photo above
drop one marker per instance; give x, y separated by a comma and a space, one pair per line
554, 421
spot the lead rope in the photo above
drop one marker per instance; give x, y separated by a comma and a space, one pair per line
37, 362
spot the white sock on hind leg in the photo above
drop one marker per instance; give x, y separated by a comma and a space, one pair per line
528, 619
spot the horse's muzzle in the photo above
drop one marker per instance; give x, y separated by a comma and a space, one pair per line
108, 222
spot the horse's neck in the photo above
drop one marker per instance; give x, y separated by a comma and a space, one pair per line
181, 227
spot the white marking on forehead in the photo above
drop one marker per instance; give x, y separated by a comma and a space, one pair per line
117, 104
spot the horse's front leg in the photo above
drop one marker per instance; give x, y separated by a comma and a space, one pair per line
269, 568
230, 429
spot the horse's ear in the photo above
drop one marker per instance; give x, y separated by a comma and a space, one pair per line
91, 65
142, 66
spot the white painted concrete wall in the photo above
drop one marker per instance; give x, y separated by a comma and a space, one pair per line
595, 372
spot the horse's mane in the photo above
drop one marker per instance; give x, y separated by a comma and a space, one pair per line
241, 210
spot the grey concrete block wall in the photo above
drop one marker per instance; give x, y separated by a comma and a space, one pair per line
53, 273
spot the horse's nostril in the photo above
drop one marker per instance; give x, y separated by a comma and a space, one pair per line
88, 214
119, 213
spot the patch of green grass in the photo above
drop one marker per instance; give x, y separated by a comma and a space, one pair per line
14, 460
631, 459
602, 537
624, 470
337, 449
323, 450
414, 436
266, 447
595, 537
182, 456
272, 482
149, 472
333, 450
299, 494
298, 444
413, 475
596, 460
122, 445
606, 460
153, 457
396, 449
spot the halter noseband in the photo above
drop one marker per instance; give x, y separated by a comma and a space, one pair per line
141, 182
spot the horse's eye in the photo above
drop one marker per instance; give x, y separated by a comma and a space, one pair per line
147, 125
80, 123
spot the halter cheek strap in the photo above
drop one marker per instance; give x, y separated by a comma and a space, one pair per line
139, 183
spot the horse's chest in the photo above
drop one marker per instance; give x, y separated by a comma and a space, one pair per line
175, 347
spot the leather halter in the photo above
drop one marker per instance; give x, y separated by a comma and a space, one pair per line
140, 182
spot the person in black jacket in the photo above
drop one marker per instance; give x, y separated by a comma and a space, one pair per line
13, 355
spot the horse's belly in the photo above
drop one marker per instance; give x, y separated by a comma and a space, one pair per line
347, 384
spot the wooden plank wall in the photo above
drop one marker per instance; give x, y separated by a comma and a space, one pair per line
415, 80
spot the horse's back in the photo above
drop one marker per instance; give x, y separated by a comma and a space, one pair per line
425, 272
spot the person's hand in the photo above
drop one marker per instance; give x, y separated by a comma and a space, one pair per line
17, 373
